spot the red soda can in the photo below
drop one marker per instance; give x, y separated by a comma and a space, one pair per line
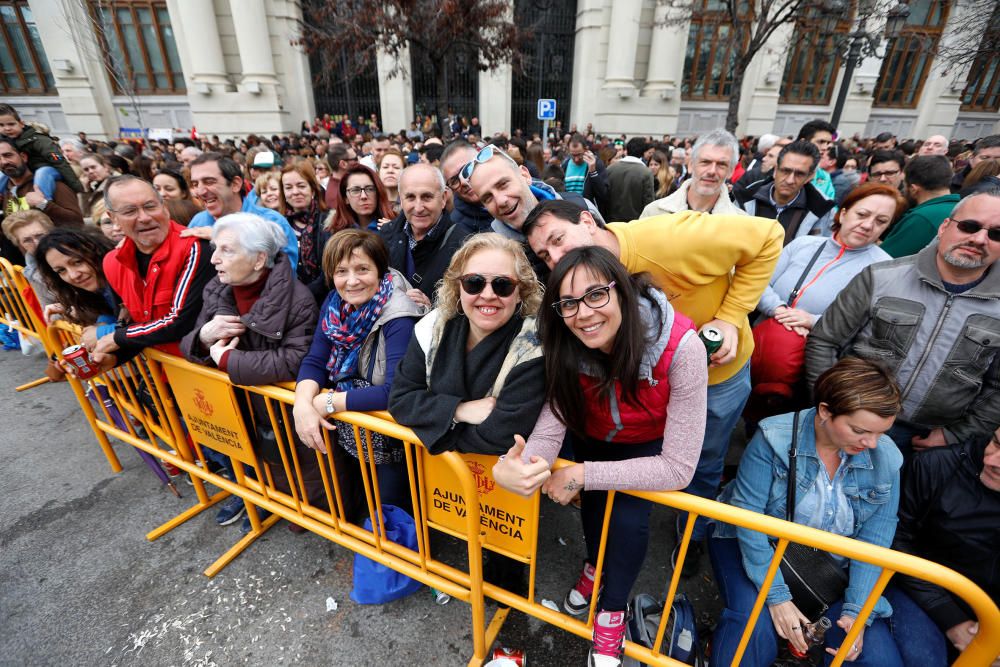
77, 357
514, 655
169, 467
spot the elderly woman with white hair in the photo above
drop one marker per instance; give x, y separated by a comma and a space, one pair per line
256, 324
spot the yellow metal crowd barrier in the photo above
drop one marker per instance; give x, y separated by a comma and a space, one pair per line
173, 409
17, 314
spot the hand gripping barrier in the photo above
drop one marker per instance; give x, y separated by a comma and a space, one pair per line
190, 408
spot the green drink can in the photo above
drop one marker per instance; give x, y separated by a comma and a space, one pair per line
712, 338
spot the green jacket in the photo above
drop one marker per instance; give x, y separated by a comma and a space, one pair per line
918, 226
44, 152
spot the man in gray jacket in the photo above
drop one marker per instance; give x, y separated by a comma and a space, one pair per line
934, 319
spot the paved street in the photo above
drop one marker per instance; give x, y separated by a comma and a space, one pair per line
81, 585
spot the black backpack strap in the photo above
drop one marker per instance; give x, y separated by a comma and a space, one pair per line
793, 454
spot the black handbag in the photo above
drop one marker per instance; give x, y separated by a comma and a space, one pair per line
814, 578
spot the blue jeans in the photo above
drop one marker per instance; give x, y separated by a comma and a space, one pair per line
628, 530
919, 639
738, 595
44, 178
725, 405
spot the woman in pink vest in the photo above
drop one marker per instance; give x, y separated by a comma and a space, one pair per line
626, 375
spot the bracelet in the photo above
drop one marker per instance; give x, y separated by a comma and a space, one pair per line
330, 409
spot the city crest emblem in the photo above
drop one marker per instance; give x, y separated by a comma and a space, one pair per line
483, 482
202, 403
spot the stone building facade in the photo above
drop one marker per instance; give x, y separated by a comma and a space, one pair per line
230, 67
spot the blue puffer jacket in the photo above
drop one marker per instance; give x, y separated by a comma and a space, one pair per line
871, 485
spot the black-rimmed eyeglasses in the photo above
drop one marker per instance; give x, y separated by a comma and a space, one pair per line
598, 297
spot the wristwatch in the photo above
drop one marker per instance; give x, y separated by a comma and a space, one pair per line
43, 205
329, 403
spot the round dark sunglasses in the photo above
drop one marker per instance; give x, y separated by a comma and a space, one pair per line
474, 283
973, 227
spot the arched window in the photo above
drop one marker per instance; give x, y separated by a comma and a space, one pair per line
812, 63
982, 87
139, 46
909, 57
22, 58
711, 52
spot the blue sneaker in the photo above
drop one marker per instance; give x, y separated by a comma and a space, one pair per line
230, 511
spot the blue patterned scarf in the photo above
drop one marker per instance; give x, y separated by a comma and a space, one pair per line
346, 327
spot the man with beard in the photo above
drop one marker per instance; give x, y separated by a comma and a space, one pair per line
22, 194
928, 189
713, 159
934, 320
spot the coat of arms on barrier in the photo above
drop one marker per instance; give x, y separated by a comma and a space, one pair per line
483, 481
202, 403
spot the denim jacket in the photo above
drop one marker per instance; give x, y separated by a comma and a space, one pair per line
871, 485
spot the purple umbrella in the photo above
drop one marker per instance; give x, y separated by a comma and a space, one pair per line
119, 420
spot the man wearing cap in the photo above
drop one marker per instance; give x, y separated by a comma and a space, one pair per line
218, 182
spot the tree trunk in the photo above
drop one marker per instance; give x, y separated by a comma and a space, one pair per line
733, 112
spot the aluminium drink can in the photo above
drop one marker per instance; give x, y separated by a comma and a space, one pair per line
514, 655
77, 357
712, 338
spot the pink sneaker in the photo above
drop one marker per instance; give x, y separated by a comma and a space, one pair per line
577, 601
609, 639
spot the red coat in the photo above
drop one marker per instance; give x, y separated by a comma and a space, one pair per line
172, 285
644, 421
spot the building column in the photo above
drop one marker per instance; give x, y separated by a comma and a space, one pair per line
624, 38
197, 33
590, 31
295, 89
495, 90
395, 94
666, 70
254, 42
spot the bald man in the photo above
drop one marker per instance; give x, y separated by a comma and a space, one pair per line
936, 144
422, 238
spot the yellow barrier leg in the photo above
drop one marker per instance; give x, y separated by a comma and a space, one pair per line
493, 629
185, 515
248, 539
32, 384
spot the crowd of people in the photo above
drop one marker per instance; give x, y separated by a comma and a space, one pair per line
624, 303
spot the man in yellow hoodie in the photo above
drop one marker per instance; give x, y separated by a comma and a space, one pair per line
713, 268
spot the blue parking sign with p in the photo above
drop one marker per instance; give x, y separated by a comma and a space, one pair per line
546, 109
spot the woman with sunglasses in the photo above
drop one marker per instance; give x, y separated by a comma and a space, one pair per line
473, 377
627, 376
466, 398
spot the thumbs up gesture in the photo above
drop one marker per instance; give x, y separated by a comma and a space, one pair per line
514, 474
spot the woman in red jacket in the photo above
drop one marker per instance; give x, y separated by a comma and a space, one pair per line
627, 375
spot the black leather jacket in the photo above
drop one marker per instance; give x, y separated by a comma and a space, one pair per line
948, 516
